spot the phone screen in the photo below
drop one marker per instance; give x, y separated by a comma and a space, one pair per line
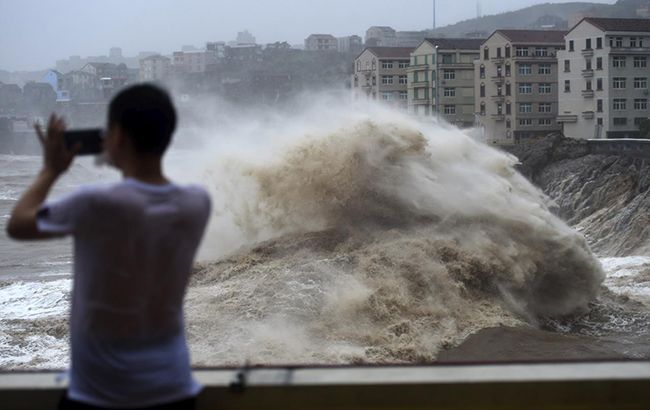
90, 140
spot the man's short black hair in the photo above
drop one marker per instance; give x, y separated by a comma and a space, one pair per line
146, 113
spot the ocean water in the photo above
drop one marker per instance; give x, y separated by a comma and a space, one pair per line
344, 238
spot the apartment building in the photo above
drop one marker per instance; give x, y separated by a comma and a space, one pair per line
381, 36
604, 78
380, 74
441, 79
516, 85
193, 61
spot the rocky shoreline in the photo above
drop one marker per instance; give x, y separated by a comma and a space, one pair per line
607, 198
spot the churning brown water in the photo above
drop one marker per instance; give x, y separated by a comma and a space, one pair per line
382, 240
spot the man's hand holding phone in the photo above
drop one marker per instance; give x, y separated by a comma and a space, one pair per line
57, 157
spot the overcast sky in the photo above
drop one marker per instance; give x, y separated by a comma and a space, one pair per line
35, 33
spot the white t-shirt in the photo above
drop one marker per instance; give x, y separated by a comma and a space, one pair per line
134, 245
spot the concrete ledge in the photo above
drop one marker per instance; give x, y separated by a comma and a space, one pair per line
572, 385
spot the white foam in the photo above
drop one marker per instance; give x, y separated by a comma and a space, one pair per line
32, 300
624, 276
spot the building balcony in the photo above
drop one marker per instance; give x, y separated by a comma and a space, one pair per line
498, 117
418, 84
588, 115
588, 93
588, 52
567, 118
533, 58
498, 98
499, 79
588, 73
497, 60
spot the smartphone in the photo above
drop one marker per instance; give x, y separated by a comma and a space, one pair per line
90, 140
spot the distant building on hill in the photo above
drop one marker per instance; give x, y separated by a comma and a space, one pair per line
350, 44
381, 36
321, 42
155, 68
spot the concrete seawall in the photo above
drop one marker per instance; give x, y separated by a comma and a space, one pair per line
636, 148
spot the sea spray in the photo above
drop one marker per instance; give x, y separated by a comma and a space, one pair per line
375, 238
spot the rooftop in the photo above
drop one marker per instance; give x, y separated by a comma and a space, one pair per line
456, 43
614, 24
534, 36
391, 52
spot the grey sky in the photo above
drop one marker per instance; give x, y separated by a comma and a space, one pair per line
35, 33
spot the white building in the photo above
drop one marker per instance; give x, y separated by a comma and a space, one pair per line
604, 77
381, 36
196, 61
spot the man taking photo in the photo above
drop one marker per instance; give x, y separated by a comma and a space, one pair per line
134, 245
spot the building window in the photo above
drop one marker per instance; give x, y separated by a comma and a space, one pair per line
525, 122
386, 64
588, 44
508, 108
508, 123
486, 53
599, 84
403, 64
567, 66
618, 62
521, 51
387, 96
620, 104
482, 108
498, 52
525, 88
449, 74
544, 69
620, 121
541, 52
619, 83
588, 85
599, 121
599, 105
482, 71
450, 109
599, 63
616, 42
544, 121
499, 109
599, 43
525, 69
508, 51
507, 70
640, 83
525, 108
571, 45
449, 92
447, 59
640, 62
508, 89
633, 42
640, 104
544, 107
403, 95
588, 65
567, 86
482, 90
402, 79
387, 79
544, 88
